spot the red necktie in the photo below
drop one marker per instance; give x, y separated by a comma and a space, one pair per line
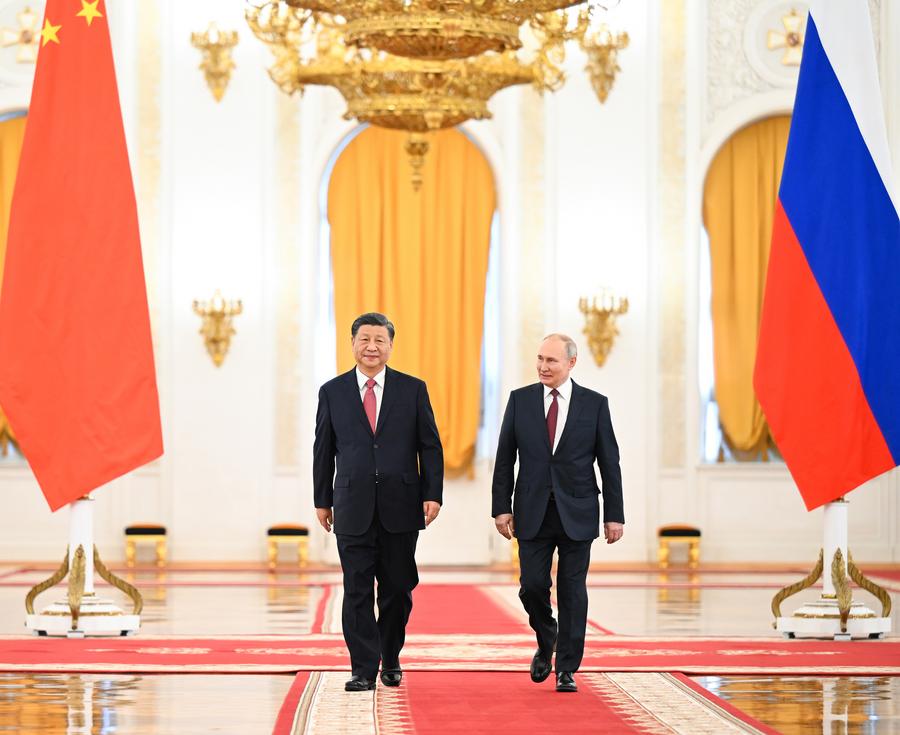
552, 415
369, 402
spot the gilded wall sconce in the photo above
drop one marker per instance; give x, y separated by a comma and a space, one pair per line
217, 329
600, 328
602, 49
217, 63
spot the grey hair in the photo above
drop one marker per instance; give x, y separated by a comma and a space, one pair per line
372, 319
571, 347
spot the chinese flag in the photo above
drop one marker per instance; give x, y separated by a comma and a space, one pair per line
77, 379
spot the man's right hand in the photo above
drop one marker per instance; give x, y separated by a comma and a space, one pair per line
326, 518
504, 524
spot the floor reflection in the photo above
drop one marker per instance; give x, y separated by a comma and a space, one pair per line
63, 704
815, 706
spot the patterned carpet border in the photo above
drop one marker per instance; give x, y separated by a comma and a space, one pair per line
434, 652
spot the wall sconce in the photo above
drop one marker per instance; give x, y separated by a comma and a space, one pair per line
217, 63
602, 49
600, 322
217, 329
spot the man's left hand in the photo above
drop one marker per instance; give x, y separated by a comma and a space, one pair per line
612, 532
431, 510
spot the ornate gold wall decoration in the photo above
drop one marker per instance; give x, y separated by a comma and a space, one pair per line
217, 63
25, 37
790, 39
217, 329
600, 323
602, 49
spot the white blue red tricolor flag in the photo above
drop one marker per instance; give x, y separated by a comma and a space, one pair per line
828, 363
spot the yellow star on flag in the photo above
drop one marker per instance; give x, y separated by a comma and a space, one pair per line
89, 11
48, 33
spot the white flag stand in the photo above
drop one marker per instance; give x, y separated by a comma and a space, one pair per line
834, 613
83, 613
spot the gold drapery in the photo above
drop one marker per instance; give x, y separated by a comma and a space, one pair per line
12, 133
739, 200
421, 258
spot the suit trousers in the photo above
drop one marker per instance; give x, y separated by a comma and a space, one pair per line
390, 559
535, 560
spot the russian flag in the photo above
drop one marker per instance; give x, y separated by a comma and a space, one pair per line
828, 361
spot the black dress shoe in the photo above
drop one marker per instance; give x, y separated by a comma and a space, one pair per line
540, 666
391, 677
359, 684
565, 682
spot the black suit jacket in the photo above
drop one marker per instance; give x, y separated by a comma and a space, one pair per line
396, 468
587, 437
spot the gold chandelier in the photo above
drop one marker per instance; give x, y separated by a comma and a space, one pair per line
420, 65
434, 29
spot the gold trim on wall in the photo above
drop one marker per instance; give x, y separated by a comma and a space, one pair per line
672, 225
287, 224
533, 232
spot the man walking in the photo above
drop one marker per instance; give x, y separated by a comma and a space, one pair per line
378, 470
558, 430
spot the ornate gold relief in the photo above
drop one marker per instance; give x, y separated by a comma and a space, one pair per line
217, 329
25, 37
602, 49
600, 322
790, 39
217, 63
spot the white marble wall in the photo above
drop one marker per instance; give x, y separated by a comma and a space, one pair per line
229, 197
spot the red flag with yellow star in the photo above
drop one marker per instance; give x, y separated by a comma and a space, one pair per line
77, 379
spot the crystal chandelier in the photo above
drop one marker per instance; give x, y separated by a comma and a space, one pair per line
424, 65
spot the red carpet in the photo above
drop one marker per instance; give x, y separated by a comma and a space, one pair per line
435, 652
285, 723
436, 703
461, 608
507, 703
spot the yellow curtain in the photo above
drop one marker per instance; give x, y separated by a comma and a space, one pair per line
738, 209
420, 258
12, 132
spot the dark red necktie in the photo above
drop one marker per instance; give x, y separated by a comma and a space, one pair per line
552, 415
369, 402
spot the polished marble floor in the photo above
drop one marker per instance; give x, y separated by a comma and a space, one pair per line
247, 601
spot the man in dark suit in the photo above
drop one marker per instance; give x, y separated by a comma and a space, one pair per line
375, 427
558, 430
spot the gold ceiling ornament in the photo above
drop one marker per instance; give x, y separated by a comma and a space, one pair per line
26, 36
217, 63
417, 65
217, 329
602, 49
600, 328
790, 39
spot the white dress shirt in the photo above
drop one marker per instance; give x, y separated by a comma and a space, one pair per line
562, 401
361, 378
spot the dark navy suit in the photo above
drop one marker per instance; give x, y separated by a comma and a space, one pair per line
555, 505
376, 483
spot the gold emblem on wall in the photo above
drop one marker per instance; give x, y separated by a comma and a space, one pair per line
217, 329
217, 63
790, 39
25, 37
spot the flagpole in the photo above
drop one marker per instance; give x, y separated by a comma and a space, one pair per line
834, 614
82, 613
